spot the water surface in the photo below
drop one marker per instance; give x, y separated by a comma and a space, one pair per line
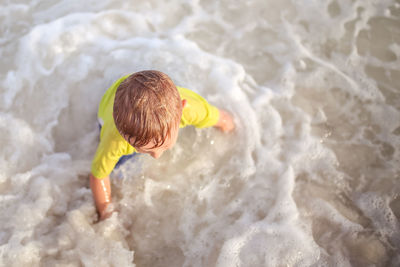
309, 178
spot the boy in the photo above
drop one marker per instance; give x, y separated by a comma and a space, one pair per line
142, 113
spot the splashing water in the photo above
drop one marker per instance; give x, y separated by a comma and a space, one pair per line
309, 178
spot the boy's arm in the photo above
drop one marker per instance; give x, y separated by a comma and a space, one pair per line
108, 152
199, 113
101, 191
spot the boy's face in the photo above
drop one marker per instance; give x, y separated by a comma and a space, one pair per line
156, 152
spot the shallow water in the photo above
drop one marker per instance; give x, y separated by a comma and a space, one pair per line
309, 178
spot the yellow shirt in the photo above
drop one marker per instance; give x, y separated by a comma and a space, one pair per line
112, 146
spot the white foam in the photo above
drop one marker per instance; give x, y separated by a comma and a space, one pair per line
306, 179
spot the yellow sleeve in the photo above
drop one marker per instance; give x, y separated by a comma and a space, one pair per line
112, 145
108, 152
197, 112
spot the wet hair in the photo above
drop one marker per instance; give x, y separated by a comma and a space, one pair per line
147, 106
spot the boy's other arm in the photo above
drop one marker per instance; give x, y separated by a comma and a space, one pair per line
101, 191
199, 113
225, 122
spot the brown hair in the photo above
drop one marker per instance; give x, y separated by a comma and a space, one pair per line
146, 107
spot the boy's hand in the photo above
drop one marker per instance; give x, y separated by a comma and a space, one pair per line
105, 212
225, 122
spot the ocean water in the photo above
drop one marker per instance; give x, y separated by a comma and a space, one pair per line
310, 177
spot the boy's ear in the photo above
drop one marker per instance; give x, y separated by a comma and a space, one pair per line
184, 102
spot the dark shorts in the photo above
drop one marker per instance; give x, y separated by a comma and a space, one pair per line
123, 159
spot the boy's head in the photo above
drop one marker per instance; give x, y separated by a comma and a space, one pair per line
147, 111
